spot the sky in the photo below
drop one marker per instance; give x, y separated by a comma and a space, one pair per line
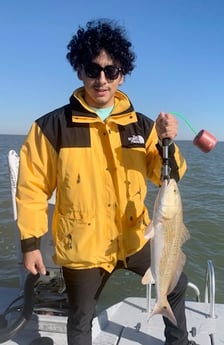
179, 46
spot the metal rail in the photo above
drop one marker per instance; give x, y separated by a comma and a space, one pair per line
149, 294
210, 288
196, 290
148, 298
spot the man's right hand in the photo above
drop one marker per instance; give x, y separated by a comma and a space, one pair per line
33, 262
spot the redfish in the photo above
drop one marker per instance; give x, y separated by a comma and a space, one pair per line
167, 234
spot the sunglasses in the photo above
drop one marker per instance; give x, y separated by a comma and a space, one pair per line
93, 70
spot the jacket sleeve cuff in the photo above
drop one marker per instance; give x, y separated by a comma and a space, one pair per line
30, 244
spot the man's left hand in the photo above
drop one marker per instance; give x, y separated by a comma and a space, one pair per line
166, 126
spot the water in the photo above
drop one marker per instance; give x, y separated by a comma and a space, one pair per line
202, 191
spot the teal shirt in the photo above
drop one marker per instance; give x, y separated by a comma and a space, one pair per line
103, 113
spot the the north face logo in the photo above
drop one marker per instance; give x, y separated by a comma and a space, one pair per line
136, 139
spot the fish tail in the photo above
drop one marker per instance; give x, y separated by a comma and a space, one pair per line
165, 310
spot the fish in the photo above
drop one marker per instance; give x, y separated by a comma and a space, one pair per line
167, 234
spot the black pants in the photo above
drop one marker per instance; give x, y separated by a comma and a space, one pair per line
84, 288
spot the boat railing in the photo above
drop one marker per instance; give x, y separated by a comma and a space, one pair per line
149, 288
196, 290
148, 298
210, 288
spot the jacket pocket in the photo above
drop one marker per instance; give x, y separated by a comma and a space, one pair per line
75, 238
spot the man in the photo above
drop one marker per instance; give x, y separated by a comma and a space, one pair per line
97, 152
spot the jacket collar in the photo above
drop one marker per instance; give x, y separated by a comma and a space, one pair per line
81, 112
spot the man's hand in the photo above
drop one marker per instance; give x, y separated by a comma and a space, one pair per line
166, 126
33, 262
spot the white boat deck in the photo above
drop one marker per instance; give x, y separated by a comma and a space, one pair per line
125, 323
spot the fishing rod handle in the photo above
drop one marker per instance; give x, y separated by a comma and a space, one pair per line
166, 169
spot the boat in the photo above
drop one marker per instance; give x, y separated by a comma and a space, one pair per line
35, 312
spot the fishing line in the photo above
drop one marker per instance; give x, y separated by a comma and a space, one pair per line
185, 120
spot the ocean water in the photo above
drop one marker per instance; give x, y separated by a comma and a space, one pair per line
202, 191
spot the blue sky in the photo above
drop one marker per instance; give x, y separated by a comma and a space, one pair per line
179, 66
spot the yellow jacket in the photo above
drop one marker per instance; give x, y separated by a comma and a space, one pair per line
99, 170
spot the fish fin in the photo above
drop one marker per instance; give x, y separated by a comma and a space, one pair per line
148, 278
149, 232
165, 310
185, 234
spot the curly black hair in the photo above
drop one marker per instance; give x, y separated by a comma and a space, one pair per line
87, 43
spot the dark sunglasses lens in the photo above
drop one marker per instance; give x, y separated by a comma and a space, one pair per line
111, 72
92, 71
